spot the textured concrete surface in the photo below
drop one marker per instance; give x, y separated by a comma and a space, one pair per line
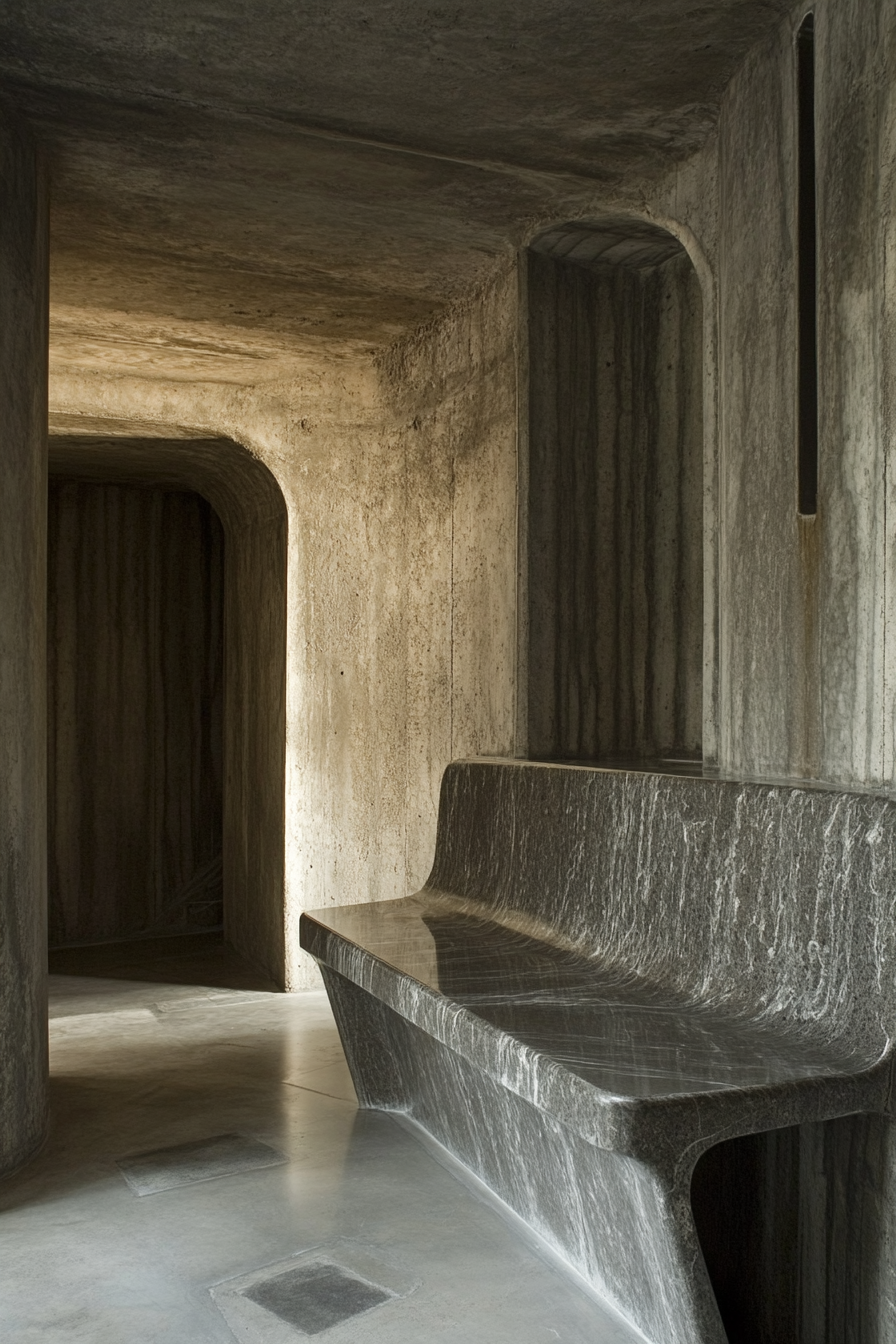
234, 191
400, 604
615, 517
138, 1066
135, 711
806, 632
250, 505
400, 608
806, 643
23, 531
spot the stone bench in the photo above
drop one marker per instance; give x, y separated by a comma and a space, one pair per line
607, 973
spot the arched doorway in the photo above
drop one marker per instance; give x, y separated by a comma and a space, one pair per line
246, 498
615, 528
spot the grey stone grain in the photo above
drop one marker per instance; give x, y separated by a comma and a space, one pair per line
609, 972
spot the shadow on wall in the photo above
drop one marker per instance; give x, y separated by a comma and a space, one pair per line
615, 494
135, 708
247, 499
795, 1228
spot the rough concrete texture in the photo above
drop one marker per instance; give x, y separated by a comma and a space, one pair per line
406, 607
463, 81
135, 669
400, 612
806, 639
810, 1255
349, 167
23, 490
615, 533
806, 644
250, 505
400, 476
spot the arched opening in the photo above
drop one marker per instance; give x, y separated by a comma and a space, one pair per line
135, 653
216, 656
614, 534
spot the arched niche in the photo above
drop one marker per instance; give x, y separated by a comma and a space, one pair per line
247, 499
614, 533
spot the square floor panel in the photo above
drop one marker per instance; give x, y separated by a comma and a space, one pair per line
315, 1297
203, 1160
329, 1291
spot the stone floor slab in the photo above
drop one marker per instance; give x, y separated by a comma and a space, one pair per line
202, 1160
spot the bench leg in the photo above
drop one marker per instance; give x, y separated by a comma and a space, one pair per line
364, 1034
622, 1225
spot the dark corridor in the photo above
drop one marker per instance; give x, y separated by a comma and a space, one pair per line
135, 712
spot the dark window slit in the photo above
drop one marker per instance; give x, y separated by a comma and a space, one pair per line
807, 272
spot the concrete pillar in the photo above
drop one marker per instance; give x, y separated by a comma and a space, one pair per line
23, 511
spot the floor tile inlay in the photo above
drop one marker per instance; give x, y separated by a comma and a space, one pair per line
202, 1160
84, 1261
315, 1297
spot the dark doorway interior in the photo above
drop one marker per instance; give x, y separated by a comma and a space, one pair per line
245, 497
205, 959
792, 1224
135, 712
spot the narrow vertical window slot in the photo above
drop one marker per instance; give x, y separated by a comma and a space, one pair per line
807, 415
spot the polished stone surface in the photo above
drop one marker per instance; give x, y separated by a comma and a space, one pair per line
85, 1262
200, 1160
316, 1297
608, 973
619, 1032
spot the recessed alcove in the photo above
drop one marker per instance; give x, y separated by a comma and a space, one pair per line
794, 1224
167, 711
615, 494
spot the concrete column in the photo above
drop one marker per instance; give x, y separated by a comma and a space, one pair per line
23, 511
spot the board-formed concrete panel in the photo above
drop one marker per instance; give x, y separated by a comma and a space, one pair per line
615, 495
23, 484
135, 699
251, 507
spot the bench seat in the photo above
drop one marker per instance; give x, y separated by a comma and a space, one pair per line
594, 1045
605, 975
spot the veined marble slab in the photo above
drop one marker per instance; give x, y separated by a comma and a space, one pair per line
630, 968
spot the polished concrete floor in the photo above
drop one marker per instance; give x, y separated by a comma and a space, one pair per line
179, 1046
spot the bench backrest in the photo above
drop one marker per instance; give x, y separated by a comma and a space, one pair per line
770, 901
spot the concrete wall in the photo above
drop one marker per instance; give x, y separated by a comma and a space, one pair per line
135, 711
251, 508
798, 630
615, 512
806, 638
399, 620
806, 644
23, 485
405, 597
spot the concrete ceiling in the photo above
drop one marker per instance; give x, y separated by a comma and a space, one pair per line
240, 186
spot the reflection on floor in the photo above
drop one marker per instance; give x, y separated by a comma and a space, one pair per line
360, 1234
187, 959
